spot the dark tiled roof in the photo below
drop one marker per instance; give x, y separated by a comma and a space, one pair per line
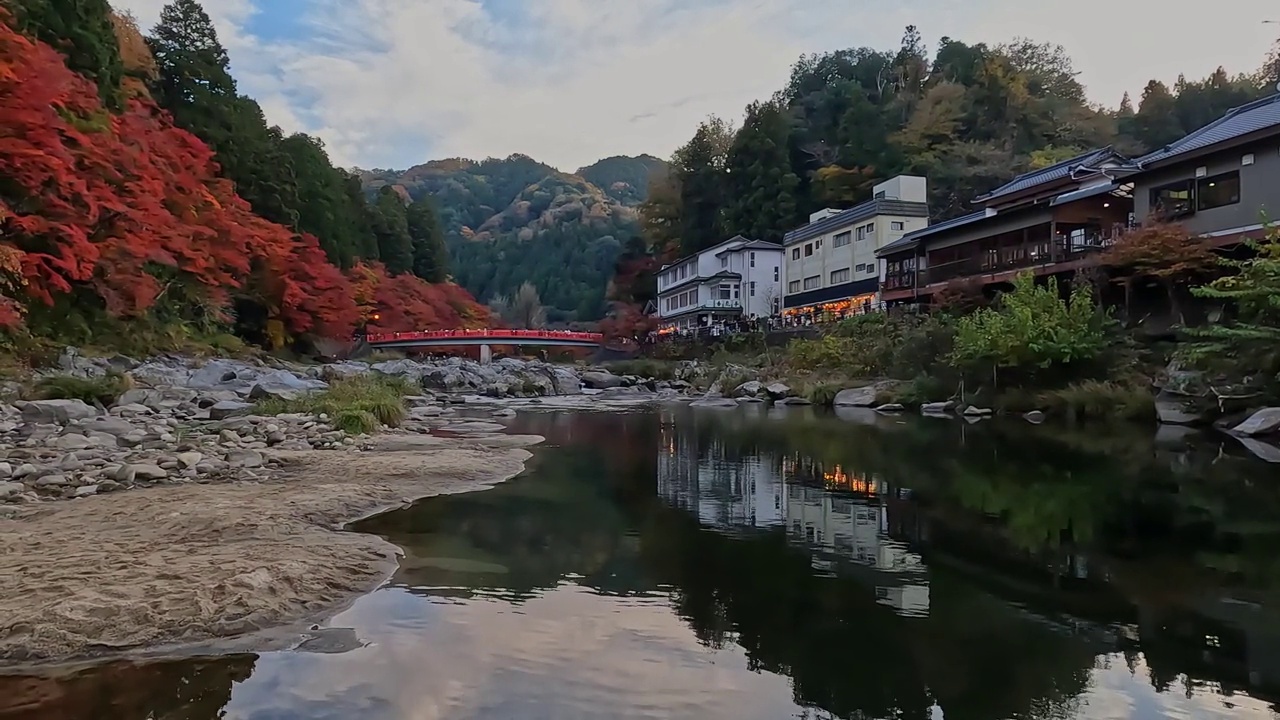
1257, 115
751, 245
912, 238
1057, 171
855, 214
1083, 193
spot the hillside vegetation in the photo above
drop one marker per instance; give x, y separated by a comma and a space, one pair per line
515, 220
187, 223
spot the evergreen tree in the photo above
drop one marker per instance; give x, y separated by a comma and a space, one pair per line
196, 86
430, 258
700, 168
761, 187
1156, 123
324, 208
82, 30
395, 247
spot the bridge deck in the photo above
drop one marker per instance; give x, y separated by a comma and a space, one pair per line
485, 337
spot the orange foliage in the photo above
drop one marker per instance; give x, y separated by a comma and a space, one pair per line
405, 303
139, 64
128, 205
1159, 250
627, 322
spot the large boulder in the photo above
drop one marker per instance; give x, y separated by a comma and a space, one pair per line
228, 409
1175, 409
1262, 422
601, 380
857, 397
55, 411
284, 385
778, 391
751, 388
714, 403
224, 375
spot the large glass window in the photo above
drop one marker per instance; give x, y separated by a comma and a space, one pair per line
793, 286
842, 239
1217, 191
1173, 200
812, 282
839, 276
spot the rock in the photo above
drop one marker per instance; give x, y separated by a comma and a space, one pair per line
276, 437
975, 411
229, 408
244, 459
85, 491
857, 397
1034, 417
1173, 409
55, 411
779, 391
1262, 422
749, 389
937, 408
793, 401
222, 375
890, 408
284, 385
1262, 450
71, 442
146, 471
710, 402
6, 471
504, 413
189, 459
10, 489
53, 481
601, 380
130, 410
108, 425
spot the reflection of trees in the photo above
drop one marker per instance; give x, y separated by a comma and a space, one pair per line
175, 690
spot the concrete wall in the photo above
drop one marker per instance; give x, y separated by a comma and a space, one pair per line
827, 258
1259, 187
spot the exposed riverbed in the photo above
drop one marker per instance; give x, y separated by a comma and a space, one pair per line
767, 563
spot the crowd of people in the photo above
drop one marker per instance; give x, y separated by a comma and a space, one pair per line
794, 321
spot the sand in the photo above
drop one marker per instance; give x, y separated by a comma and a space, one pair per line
179, 565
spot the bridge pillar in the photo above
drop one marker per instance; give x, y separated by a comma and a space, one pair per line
486, 354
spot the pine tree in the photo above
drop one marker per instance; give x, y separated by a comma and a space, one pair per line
395, 247
82, 30
761, 187
430, 258
700, 170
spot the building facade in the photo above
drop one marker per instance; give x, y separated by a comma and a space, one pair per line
1217, 182
830, 263
737, 279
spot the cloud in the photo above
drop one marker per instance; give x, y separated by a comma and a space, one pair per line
391, 83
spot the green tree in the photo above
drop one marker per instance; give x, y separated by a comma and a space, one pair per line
760, 186
81, 30
430, 257
700, 167
195, 85
1156, 123
395, 246
1250, 344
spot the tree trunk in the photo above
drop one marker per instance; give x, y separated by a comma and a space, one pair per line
1174, 306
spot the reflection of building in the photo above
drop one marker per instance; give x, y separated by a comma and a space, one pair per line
848, 518
722, 491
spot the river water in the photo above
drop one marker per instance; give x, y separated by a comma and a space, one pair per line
767, 564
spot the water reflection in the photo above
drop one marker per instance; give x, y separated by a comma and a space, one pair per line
763, 565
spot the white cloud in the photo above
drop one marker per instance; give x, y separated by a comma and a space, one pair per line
397, 82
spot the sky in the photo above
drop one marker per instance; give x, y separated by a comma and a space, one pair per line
394, 83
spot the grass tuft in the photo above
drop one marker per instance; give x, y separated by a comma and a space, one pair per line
102, 390
357, 404
1100, 400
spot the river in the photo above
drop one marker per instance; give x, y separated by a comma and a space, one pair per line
782, 563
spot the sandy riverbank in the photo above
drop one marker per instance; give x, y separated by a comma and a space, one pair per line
174, 565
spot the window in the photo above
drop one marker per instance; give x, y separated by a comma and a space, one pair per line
795, 254
862, 232
839, 276
842, 239
871, 268
818, 245
793, 286
722, 292
1218, 191
897, 225
812, 282
861, 267
775, 273
751, 288
871, 228
808, 250
753, 259
1173, 200
724, 262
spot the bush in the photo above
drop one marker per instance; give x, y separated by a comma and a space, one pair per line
893, 345
653, 369
101, 390
821, 393
361, 402
1033, 330
1100, 400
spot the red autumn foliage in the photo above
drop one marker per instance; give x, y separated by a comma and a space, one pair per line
127, 206
404, 303
627, 322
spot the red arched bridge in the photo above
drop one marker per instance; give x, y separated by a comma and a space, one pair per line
484, 338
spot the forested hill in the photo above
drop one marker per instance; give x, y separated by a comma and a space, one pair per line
515, 219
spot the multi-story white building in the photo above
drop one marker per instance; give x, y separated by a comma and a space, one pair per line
739, 278
723, 492
831, 263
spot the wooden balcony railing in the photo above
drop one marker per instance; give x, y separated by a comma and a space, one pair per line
1009, 258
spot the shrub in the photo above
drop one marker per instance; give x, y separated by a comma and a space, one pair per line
1100, 400
353, 401
654, 369
821, 393
101, 390
1033, 330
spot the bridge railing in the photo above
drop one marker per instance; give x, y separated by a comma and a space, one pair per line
497, 336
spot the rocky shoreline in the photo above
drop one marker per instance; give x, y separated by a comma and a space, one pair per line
231, 523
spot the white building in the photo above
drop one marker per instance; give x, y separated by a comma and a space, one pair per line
739, 278
724, 493
831, 263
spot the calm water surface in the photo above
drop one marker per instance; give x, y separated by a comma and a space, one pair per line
760, 564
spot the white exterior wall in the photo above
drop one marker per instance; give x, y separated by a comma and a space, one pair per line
759, 265
827, 258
